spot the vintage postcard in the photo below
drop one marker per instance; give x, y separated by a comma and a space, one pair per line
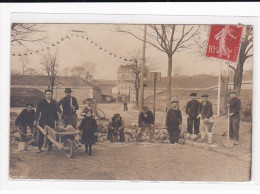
146, 102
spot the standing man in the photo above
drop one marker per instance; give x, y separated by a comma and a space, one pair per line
24, 120
146, 120
192, 112
234, 116
69, 105
206, 115
125, 106
46, 113
173, 122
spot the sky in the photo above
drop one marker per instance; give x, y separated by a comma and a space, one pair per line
79, 51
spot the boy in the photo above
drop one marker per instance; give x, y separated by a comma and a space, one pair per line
173, 122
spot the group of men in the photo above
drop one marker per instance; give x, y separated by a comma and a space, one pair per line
48, 112
196, 113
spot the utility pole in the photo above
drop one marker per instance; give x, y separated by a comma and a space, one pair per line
141, 90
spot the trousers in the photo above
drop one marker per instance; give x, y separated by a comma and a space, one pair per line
70, 120
23, 129
142, 128
206, 130
113, 137
174, 133
41, 136
193, 122
234, 128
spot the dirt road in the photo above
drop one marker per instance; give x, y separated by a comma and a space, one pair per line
131, 161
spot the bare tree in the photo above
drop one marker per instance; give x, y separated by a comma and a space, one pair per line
50, 67
168, 39
244, 54
134, 67
84, 71
26, 34
24, 64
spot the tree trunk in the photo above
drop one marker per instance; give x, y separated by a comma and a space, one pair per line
239, 69
169, 79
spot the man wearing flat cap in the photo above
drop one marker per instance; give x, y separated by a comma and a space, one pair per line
234, 115
24, 120
192, 112
146, 120
69, 106
206, 115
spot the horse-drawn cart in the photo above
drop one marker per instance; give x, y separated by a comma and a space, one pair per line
64, 140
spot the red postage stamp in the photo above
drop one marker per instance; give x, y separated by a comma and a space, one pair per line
224, 42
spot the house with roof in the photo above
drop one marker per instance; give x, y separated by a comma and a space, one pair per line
81, 89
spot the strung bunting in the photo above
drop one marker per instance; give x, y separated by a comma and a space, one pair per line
19, 55
58, 42
100, 48
53, 44
37, 51
110, 53
31, 53
62, 39
13, 54
114, 55
42, 49
95, 44
24, 54
125, 59
48, 48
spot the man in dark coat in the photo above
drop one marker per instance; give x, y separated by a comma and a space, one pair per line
47, 114
206, 115
24, 120
116, 128
192, 112
146, 120
173, 122
88, 126
234, 116
69, 105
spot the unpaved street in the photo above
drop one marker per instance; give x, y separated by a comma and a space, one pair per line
132, 161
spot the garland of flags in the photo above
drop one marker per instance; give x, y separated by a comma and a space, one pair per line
68, 37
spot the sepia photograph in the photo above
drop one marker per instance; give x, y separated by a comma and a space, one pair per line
135, 102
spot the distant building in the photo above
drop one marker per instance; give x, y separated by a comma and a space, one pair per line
125, 82
81, 89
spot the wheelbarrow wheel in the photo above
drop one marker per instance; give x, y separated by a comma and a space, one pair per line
68, 144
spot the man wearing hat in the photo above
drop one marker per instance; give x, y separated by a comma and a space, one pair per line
234, 115
146, 120
69, 106
47, 114
192, 112
206, 115
24, 120
173, 122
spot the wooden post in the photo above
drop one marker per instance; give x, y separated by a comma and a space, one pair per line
154, 92
228, 121
219, 88
141, 90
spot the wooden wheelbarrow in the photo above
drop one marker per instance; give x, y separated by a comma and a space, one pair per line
64, 140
